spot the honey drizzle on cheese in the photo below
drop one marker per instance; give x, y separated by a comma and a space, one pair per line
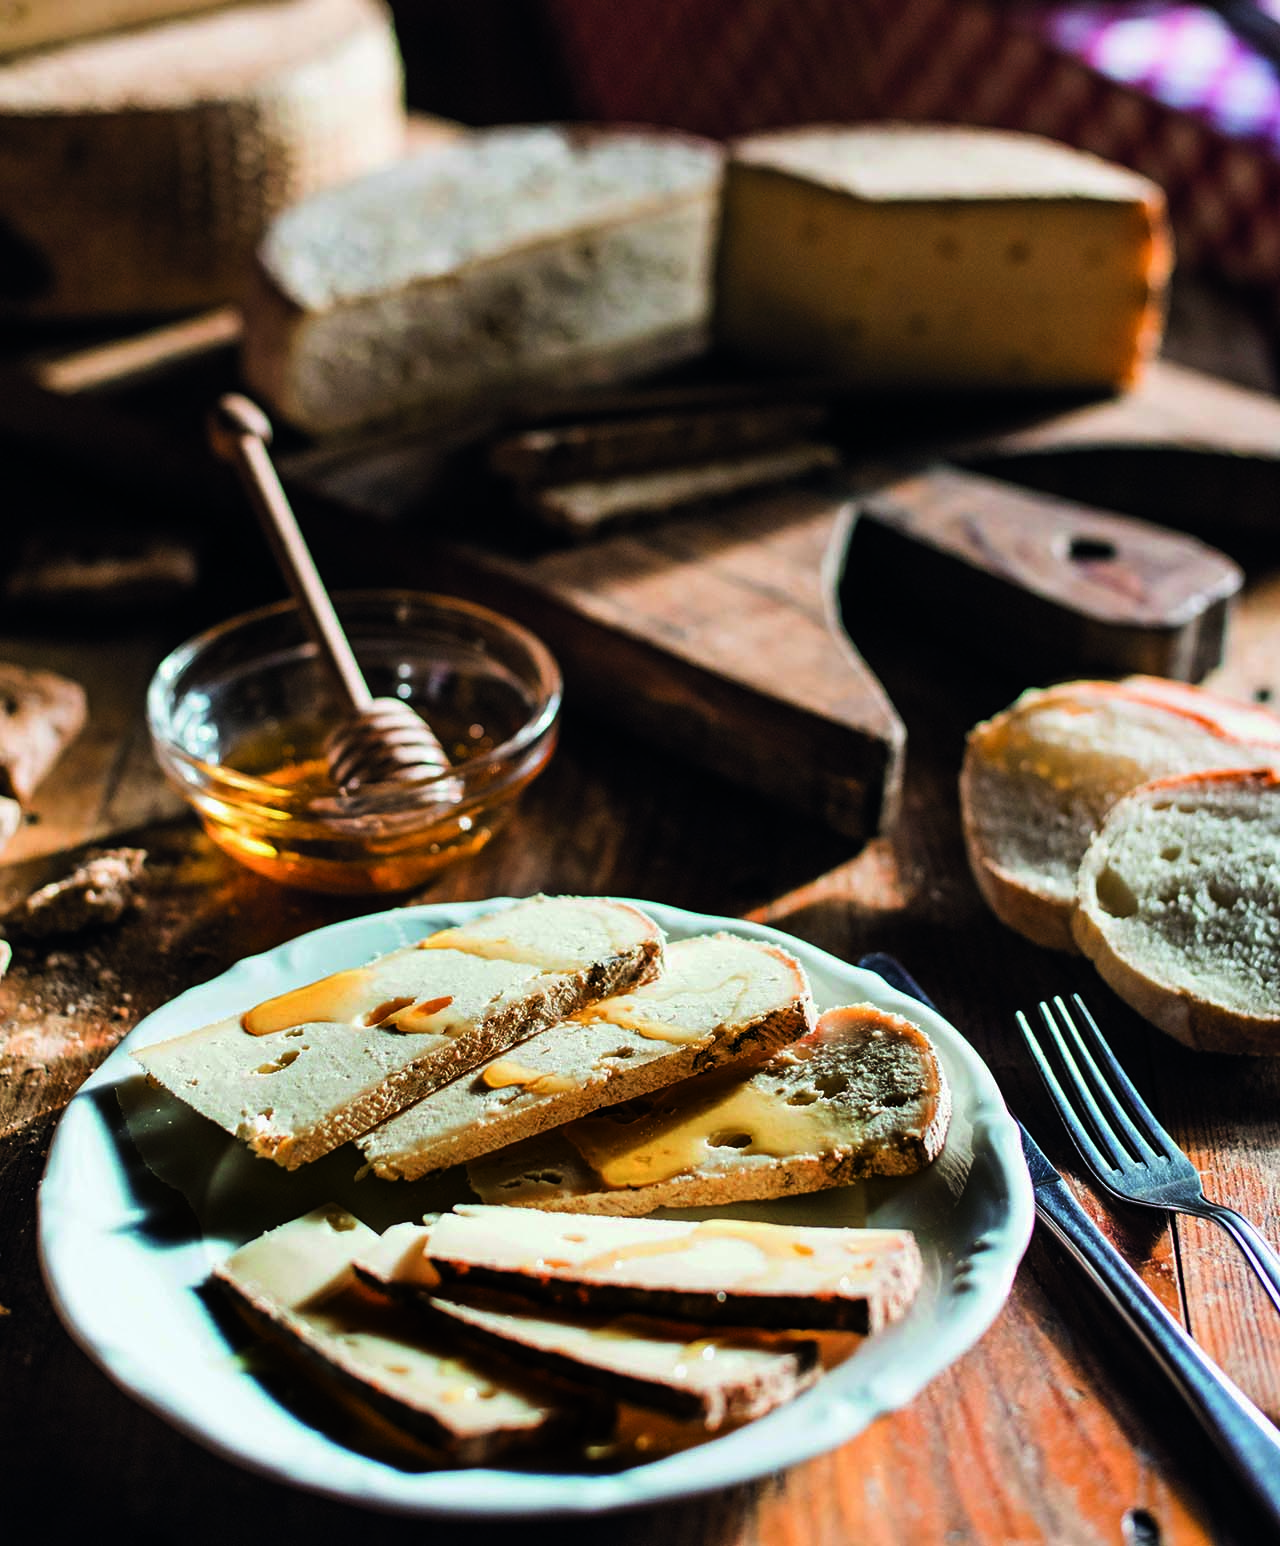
504, 1072
630, 1014
345, 997
668, 1144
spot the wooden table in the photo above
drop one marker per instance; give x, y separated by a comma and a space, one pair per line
1053, 1428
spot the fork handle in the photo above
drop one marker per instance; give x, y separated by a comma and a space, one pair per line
1261, 1257
1242, 1434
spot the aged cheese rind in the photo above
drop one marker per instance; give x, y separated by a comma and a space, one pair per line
511, 258
928, 256
139, 169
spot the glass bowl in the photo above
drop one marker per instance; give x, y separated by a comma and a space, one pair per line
238, 717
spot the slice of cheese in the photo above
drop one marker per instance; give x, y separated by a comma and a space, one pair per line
296, 1285
925, 256
509, 260
139, 169
36, 23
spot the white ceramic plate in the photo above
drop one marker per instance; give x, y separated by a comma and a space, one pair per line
126, 1255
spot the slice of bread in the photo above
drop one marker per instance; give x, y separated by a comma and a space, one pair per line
719, 999
691, 1373
1038, 778
1178, 907
862, 1094
302, 1073
295, 1286
720, 1271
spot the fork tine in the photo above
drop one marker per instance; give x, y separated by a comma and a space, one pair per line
1151, 1130
1066, 1109
1108, 1141
1117, 1117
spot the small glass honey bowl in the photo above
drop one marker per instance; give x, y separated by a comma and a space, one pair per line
239, 714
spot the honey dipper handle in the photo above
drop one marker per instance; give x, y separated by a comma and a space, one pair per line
240, 433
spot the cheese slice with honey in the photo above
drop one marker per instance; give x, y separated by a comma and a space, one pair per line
720, 999
940, 257
862, 1094
694, 1374
37, 23
301, 1073
736, 1272
295, 1285
138, 169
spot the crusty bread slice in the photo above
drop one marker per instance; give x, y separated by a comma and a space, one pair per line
1038, 778
713, 1272
862, 1094
296, 1287
691, 1373
300, 1074
1178, 907
719, 999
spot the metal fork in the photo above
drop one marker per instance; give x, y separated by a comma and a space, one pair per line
1119, 1139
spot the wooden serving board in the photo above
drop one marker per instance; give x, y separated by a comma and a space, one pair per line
720, 635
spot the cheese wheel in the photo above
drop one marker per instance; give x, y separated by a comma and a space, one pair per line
138, 170
507, 260
926, 256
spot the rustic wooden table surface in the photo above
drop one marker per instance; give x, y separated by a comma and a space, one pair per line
1054, 1428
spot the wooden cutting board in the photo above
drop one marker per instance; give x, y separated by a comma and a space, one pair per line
727, 636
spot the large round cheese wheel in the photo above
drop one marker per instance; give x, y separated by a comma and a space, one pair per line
138, 169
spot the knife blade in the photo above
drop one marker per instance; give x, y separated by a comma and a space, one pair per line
1242, 1434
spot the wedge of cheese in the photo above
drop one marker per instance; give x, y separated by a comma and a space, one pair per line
938, 257
726, 1271
510, 260
863, 1094
694, 1374
138, 169
719, 999
295, 1286
301, 1073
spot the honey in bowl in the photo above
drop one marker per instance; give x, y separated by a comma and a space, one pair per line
239, 718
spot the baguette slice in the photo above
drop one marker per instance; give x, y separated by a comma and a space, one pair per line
1178, 907
1038, 778
713, 1378
719, 999
862, 1094
298, 1075
296, 1287
720, 1271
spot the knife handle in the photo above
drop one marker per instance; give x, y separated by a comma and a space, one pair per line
1240, 1431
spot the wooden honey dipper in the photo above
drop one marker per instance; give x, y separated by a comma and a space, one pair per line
379, 740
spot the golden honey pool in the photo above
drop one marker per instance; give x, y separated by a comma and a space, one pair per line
238, 717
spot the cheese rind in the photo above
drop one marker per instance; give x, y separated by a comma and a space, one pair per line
925, 256
139, 169
508, 259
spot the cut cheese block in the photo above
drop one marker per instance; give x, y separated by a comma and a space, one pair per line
138, 170
719, 999
692, 1374
1038, 778
928, 256
41, 713
39, 22
862, 1094
728, 1271
1178, 907
510, 259
301, 1073
295, 1285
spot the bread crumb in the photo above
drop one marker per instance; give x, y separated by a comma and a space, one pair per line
96, 893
